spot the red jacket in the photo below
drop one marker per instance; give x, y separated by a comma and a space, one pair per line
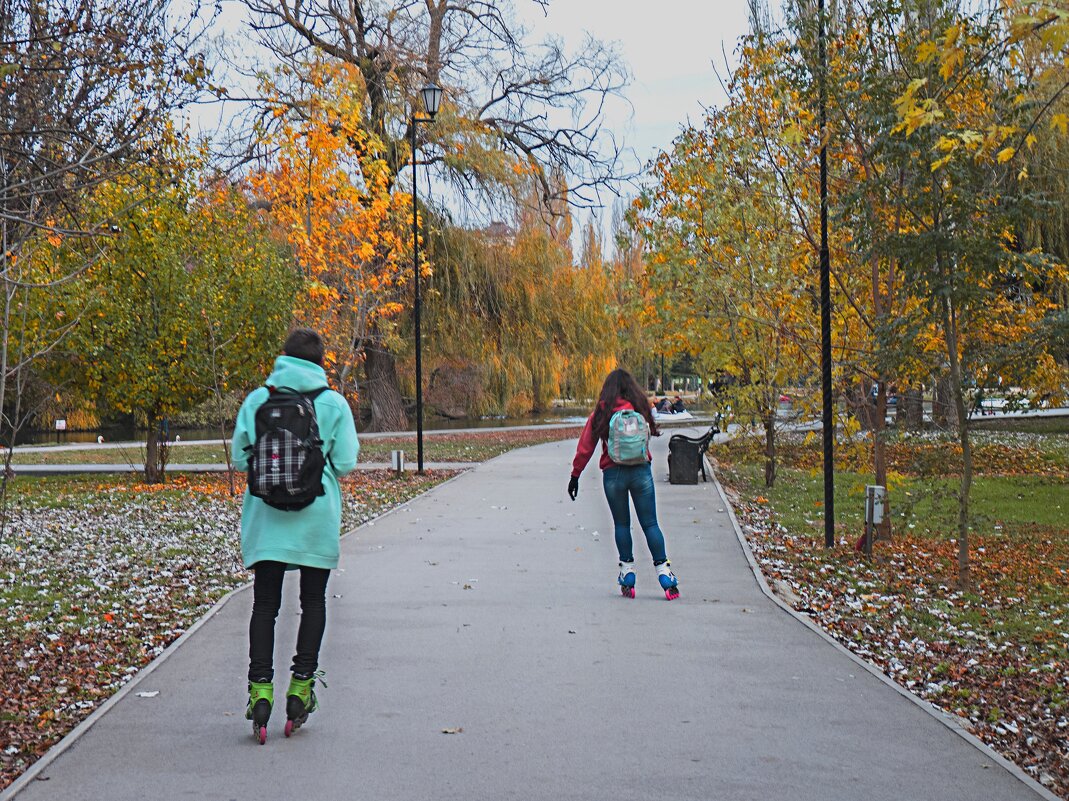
585, 449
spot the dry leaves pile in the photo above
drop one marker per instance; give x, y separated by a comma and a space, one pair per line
997, 656
98, 577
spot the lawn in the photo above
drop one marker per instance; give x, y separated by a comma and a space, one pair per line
997, 654
468, 447
99, 574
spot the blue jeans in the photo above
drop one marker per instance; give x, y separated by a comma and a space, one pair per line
635, 481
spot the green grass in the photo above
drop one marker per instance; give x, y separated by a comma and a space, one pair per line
473, 447
928, 504
1028, 425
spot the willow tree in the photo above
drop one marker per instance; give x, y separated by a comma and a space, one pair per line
512, 323
513, 108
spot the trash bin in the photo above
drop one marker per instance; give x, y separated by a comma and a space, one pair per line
684, 460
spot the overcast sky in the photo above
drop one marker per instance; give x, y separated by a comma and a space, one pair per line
671, 47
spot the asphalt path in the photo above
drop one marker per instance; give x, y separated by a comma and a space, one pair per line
477, 648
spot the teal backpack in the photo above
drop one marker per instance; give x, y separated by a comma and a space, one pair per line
629, 437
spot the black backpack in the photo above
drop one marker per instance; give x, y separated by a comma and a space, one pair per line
286, 460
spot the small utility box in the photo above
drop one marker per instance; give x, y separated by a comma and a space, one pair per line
875, 503
875, 508
397, 461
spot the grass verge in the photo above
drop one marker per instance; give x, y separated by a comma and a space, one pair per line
468, 447
996, 655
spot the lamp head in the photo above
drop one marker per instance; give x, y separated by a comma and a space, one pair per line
432, 98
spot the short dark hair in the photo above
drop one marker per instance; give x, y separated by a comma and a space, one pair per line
304, 343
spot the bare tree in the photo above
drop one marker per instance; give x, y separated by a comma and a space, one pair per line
538, 104
86, 86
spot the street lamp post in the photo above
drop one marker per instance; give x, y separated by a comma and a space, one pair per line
827, 417
432, 98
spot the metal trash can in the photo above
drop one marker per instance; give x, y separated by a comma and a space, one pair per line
684, 460
686, 455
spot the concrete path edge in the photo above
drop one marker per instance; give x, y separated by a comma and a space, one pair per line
950, 721
78, 731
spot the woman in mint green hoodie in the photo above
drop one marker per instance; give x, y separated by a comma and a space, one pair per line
275, 540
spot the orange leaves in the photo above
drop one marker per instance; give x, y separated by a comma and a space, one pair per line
332, 195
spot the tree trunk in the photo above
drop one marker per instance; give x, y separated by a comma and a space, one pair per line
879, 451
950, 325
383, 389
943, 409
770, 449
155, 453
911, 409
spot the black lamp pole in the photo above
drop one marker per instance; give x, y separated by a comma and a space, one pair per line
828, 423
432, 97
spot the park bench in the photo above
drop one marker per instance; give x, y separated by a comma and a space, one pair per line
686, 455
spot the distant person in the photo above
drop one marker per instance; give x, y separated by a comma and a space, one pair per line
623, 422
677, 405
663, 405
295, 436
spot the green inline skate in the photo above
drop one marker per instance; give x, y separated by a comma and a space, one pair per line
261, 699
301, 700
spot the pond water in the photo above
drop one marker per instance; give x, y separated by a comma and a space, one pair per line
430, 423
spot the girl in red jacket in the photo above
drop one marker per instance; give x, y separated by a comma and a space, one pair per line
621, 481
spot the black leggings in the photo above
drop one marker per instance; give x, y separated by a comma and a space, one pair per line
266, 600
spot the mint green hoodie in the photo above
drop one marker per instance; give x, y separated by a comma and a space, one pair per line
308, 536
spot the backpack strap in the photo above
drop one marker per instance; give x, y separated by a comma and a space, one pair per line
311, 395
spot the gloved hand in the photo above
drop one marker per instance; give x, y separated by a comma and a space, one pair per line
573, 486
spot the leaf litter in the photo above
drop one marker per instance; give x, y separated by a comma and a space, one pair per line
997, 657
98, 576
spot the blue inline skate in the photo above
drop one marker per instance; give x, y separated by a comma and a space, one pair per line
669, 582
626, 579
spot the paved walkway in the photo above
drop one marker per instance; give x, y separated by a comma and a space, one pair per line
488, 608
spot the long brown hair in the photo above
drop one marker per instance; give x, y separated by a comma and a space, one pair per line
620, 384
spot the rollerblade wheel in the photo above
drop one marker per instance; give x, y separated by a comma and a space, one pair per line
289, 727
260, 733
627, 592
671, 593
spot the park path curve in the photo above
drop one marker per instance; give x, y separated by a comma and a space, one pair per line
487, 608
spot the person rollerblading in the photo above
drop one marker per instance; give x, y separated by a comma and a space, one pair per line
622, 423
295, 437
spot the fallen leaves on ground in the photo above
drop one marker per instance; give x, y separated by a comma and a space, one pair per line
998, 656
98, 576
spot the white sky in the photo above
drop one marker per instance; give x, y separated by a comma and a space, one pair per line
671, 47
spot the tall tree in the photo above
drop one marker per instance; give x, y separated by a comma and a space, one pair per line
84, 87
513, 110
190, 294
969, 199
726, 265
328, 189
